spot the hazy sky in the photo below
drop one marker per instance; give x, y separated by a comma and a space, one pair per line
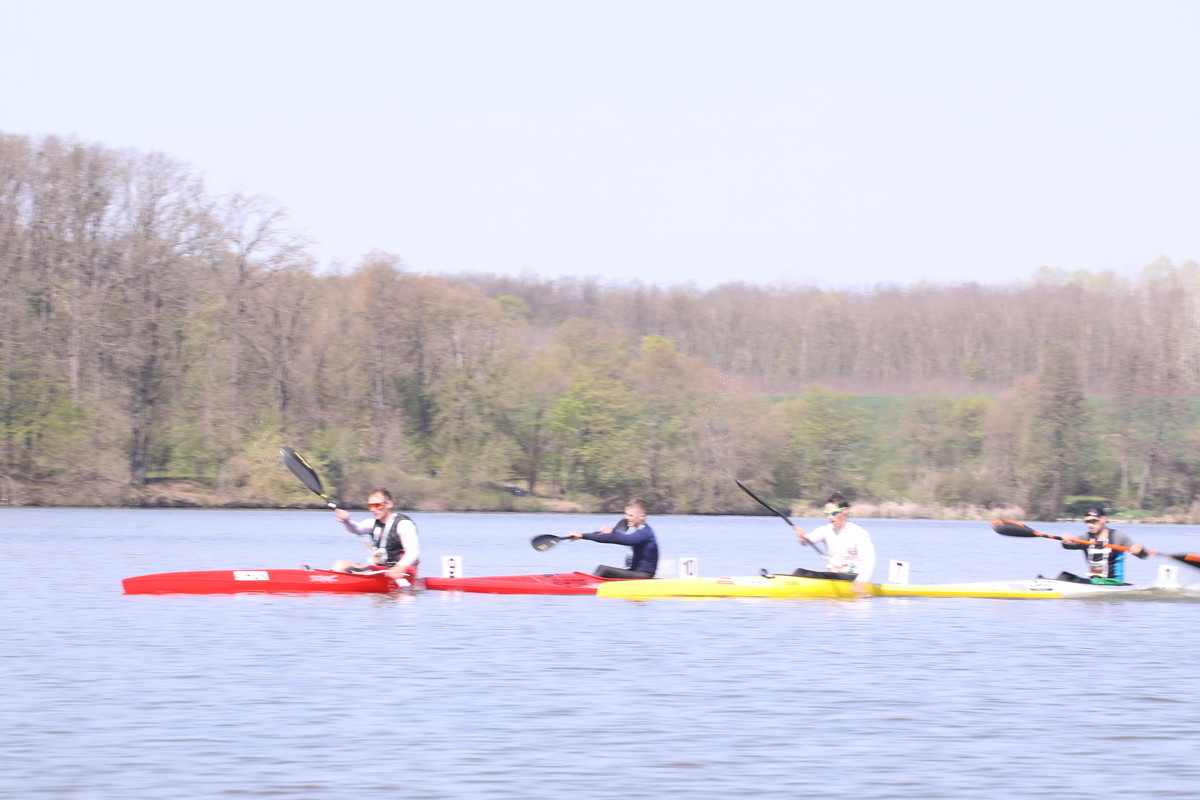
843, 142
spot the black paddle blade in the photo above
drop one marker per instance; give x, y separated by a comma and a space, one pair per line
545, 541
1006, 527
300, 468
753, 496
1191, 559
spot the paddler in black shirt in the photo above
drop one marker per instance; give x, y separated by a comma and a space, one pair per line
633, 532
1105, 565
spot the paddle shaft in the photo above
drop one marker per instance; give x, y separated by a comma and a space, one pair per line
1190, 558
1085, 541
776, 512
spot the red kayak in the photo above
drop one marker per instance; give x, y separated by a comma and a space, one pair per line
226, 581
562, 583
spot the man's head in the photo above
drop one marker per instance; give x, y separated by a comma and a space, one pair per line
837, 510
1096, 518
380, 503
635, 512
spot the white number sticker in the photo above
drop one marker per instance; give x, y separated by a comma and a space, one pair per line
250, 575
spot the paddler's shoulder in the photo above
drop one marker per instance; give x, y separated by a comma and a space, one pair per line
1117, 537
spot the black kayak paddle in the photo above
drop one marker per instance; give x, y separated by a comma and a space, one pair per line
774, 511
309, 477
547, 540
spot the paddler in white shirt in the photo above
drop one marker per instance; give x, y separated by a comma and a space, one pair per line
390, 535
851, 555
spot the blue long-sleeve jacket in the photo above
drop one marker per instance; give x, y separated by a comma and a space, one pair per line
645, 546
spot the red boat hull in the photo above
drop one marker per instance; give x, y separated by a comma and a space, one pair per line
270, 581
562, 583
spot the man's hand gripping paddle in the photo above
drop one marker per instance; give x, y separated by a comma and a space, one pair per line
1008, 527
309, 477
774, 511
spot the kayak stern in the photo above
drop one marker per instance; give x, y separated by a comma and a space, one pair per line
260, 581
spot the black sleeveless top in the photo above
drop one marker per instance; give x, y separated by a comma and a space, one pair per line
390, 540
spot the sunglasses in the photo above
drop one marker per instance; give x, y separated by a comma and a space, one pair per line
374, 506
834, 513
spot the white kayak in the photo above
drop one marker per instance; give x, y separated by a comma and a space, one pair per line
792, 586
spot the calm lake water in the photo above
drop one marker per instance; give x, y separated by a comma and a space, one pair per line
442, 695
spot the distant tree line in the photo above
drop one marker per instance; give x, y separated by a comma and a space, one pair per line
158, 344
890, 336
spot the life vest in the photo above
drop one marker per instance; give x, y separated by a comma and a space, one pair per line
1103, 561
388, 547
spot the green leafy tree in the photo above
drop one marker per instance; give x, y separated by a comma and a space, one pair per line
1053, 442
943, 438
595, 427
828, 442
524, 411
666, 385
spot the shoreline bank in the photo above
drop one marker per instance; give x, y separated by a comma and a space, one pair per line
550, 507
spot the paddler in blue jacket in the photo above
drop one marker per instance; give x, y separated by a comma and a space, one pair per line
632, 532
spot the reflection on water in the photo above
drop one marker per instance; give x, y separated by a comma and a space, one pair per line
448, 696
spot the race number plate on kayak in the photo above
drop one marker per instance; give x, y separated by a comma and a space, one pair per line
250, 575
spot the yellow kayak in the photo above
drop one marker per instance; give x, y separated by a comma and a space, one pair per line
793, 586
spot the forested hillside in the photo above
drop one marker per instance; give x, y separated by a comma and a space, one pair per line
158, 344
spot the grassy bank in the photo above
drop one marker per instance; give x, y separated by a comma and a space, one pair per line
183, 493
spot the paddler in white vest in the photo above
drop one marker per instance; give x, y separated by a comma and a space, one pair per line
1105, 565
390, 535
851, 554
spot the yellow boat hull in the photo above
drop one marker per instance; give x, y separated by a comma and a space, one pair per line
791, 586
